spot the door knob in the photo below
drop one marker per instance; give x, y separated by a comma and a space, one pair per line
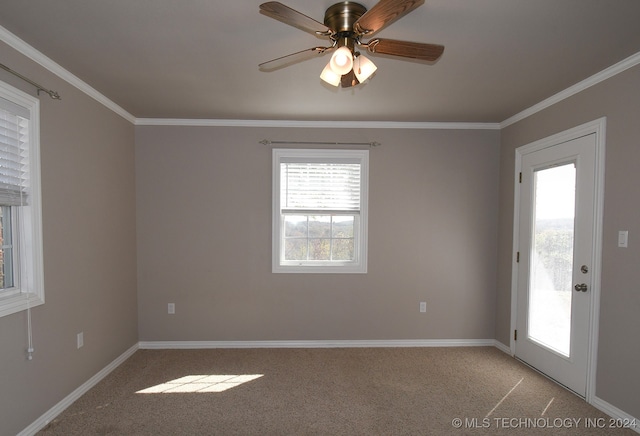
580, 287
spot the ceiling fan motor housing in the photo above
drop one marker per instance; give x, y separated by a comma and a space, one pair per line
340, 18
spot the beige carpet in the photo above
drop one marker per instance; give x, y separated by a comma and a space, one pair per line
341, 391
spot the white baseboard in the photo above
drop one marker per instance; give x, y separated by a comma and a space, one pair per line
157, 345
502, 347
619, 417
50, 414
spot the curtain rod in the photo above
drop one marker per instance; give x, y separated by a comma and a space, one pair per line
53, 94
370, 144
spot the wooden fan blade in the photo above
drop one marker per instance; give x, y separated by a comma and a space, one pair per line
382, 14
294, 18
406, 49
293, 58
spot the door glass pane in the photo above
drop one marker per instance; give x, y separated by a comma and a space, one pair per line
550, 290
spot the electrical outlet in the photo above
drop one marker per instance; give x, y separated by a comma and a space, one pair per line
423, 306
171, 308
80, 339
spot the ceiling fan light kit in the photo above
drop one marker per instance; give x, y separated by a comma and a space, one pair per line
364, 68
345, 24
329, 76
342, 61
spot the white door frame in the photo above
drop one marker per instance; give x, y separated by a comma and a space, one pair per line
598, 127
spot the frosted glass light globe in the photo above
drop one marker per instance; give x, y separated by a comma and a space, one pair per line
342, 61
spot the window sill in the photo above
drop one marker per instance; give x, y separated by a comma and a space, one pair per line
320, 269
18, 303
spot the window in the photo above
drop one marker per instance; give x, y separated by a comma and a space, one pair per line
21, 274
320, 211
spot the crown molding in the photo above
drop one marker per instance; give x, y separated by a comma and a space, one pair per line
603, 75
41, 59
22, 47
315, 124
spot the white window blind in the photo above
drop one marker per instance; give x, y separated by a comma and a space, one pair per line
14, 154
320, 186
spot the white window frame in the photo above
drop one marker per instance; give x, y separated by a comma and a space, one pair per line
28, 289
359, 264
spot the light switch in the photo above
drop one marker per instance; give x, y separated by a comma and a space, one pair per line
623, 238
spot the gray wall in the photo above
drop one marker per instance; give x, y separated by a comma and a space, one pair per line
619, 100
88, 207
204, 239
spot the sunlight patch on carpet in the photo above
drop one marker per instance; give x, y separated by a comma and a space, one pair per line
504, 398
200, 384
548, 404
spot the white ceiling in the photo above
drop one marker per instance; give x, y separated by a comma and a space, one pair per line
198, 59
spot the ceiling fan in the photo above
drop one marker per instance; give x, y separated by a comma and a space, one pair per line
345, 24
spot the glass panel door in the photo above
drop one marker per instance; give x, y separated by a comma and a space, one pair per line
557, 255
